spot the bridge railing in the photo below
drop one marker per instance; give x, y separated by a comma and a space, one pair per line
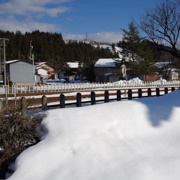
26, 89
62, 100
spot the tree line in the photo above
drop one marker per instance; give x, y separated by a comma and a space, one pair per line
160, 24
52, 48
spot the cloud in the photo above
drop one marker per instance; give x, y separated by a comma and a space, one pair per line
29, 7
109, 37
11, 24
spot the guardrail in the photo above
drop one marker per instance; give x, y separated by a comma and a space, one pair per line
78, 99
25, 89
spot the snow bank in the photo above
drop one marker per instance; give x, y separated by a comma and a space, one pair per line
136, 80
131, 81
128, 140
161, 81
140, 82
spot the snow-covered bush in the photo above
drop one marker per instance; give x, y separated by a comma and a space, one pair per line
17, 132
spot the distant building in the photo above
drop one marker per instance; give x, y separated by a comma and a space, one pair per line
45, 70
21, 71
70, 71
109, 70
167, 71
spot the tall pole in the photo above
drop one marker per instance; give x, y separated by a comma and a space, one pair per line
32, 59
86, 36
4, 49
31, 47
4, 62
0, 60
33, 68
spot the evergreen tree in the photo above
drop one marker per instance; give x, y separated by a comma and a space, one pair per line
137, 53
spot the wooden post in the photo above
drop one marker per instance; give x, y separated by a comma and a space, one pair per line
157, 92
149, 91
172, 89
118, 95
1, 105
129, 94
140, 93
78, 98
106, 96
93, 98
62, 101
44, 103
23, 106
166, 90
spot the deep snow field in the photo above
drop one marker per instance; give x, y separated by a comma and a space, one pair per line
127, 140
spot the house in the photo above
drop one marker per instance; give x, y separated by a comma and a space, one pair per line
70, 71
21, 71
45, 70
109, 70
167, 71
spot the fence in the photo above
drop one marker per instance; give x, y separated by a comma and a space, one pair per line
26, 89
119, 95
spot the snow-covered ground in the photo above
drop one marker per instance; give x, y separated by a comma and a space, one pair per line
127, 140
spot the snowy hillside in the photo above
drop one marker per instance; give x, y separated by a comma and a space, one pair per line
108, 46
127, 140
116, 49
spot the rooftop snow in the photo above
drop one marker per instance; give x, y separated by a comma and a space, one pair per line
106, 62
40, 63
12, 61
161, 64
73, 64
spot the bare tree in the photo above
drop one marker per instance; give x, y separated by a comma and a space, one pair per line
177, 2
162, 26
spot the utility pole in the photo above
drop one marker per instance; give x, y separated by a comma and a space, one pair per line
4, 49
0, 62
31, 57
31, 48
86, 36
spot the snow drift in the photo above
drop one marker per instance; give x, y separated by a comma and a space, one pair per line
128, 140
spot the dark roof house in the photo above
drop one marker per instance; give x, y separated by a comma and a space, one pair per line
109, 70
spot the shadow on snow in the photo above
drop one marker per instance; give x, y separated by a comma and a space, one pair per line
160, 108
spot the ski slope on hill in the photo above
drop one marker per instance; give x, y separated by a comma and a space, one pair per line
127, 140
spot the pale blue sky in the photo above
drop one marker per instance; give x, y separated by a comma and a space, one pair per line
102, 19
